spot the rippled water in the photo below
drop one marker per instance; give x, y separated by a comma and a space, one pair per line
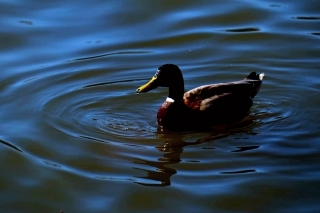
75, 136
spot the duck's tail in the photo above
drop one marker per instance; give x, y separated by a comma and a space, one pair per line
256, 84
255, 76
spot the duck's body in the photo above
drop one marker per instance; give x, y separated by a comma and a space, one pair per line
204, 106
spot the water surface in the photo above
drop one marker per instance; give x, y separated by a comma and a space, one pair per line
75, 136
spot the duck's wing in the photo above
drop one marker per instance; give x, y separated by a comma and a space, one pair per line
233, 96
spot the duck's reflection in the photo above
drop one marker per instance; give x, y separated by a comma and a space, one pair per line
172, 148
161, 176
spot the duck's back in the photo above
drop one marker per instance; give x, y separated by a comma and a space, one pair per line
224, 101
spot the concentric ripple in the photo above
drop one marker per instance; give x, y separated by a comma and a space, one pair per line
92, 110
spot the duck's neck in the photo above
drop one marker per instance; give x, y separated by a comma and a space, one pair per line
176, 90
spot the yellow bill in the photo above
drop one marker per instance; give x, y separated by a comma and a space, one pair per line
152, 84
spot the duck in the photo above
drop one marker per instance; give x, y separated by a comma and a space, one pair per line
204, 106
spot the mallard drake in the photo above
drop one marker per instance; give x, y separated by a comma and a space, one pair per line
204, 106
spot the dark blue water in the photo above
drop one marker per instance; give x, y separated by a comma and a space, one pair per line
75, 135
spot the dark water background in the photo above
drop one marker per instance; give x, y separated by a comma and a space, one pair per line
75, 136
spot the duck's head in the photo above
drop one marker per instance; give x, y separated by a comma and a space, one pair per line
167, 75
